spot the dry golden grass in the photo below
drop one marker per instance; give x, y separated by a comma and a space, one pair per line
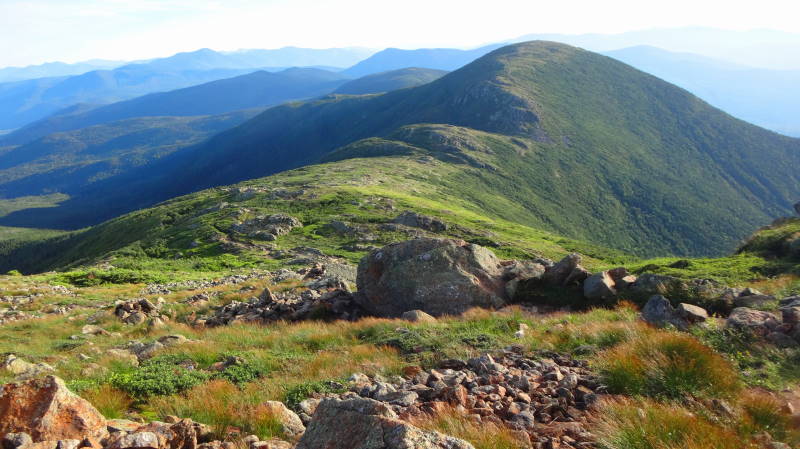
762, 412
667, 364
112, 403
484, 435
645, 424
776, 285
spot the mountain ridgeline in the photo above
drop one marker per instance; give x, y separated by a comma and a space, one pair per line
539, 133
253, 90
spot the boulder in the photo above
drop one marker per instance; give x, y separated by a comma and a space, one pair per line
415, 220
753, 300
790, 301
797, 207
264, 226
437, 276
137, 440
362, 423
24, 370
659, 312
649, 283
566, 272
790, 315
692, 313
517, 271
418, 316
756, 321
47, 411
781, 340
290, 423
599, 287
20, 440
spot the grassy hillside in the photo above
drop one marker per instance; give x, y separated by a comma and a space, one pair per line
578, 144
391, 80
191, 235
605, 153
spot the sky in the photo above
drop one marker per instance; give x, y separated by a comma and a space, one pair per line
37, 31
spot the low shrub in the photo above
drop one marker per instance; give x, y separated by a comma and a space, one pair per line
157, 377
669, 365
240, 373
300, 392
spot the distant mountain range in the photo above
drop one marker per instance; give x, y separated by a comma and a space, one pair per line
71, 151
72, 161
539, 133
258, 89
768, 49
768, 98
53, 69
391, 80
430, 58
22, 102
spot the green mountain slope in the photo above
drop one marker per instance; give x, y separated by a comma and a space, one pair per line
194, 234
71, 161
574, 142
391, 80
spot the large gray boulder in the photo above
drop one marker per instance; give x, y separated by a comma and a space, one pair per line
600, 286
361, 423
658, 311
568, 271
437, 276
415, 220
755, 321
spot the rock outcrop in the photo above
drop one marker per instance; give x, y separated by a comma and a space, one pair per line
658, 311
568, 271
415, 220
526, 394
137, 311
322, 294
47, 411
360, 423
437, 276
267, 227
756, 321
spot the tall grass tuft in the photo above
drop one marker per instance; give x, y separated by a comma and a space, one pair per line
761, 412
668, 365
481, 435
109, 401
630, 424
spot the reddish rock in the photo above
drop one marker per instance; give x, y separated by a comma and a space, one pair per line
47, 411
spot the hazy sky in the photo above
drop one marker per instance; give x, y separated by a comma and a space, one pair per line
35, 31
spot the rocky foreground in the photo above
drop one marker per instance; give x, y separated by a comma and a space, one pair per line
547, 401
543, 399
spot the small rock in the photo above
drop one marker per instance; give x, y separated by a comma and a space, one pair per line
692, 313
417, 316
